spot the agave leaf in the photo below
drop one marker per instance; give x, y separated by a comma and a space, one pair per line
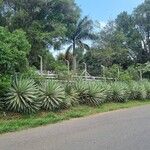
51, 95
22, 96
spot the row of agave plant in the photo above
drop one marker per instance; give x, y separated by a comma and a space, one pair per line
25, 96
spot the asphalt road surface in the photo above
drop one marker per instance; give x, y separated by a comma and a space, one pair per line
119, 130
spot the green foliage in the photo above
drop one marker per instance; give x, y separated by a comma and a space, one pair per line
81, 30
71, 95
124, 41
111, 43
125, 76
138, 91
14, 48
119, 92
90, 93
133, 73
113, 71
147, 88
31, 72
51, 95
46, 22
4, 84
22, 97
142, 22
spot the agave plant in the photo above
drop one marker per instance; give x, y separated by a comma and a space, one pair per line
106, 87
146, 85
138, 91
81, 89
96, 94
51, 95
119, 92
90, 93
71, 95
22, 96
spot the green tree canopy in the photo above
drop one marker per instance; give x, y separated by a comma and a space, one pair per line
46, 22
14, 49
142, 21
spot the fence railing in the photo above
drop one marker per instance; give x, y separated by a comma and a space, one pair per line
75, 77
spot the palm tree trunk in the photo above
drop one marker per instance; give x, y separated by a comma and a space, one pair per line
74, 57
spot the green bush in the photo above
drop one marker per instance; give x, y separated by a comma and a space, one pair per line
71, 95
125, 76
146, 84
22, 97
119, 92
137, 91
32, 73
4, 84
52, 95
106, 86
90, 93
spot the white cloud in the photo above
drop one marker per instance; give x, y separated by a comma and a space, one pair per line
102, 24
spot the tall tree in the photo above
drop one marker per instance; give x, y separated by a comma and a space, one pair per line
45, 21
80, 32
112, 45
126, 24
142, 20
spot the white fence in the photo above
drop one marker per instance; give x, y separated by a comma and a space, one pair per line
75, 77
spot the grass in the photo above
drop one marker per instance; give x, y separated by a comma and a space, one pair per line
16, 122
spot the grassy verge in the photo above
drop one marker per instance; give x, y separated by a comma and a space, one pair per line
15, 122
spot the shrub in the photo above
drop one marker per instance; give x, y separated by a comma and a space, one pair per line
146, 84
106, 87
22, 96
90, 93
4, 84
119, 92
1, 106
137, 91
51, 95
71, 95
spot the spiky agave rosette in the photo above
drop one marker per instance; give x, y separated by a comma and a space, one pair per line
119, 92
90, 93
51, 95
71, 95
22, 96
146, 84
137, 91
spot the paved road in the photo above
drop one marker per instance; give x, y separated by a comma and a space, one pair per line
120, 130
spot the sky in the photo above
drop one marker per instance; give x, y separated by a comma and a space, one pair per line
105, 10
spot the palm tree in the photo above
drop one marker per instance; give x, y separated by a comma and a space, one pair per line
82, 31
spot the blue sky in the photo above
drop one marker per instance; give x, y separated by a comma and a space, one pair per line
104, 10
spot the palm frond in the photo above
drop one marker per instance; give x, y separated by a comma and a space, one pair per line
87, 36
83, 45
69, 49
84, 25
